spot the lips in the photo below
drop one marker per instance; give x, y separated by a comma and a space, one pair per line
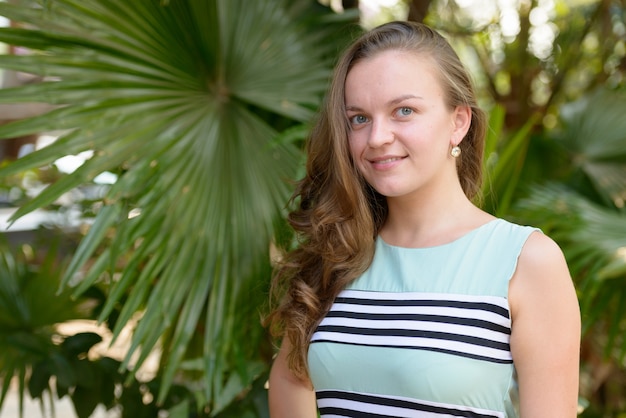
385, 159
385, 162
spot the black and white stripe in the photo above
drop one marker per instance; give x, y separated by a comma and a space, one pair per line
336, 404
475, 327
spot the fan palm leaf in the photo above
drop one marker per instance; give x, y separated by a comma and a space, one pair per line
594, 133
589, 223
176, 98
593, 239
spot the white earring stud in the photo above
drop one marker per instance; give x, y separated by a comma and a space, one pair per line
455, 151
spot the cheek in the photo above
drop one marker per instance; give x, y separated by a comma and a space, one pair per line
357, 140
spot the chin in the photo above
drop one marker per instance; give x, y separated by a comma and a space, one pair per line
388, 192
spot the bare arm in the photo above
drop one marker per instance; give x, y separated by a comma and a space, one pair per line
545, 339
289, 397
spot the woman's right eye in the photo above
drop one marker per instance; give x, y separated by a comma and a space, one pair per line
358, 119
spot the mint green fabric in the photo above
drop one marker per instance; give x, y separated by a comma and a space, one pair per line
480, 263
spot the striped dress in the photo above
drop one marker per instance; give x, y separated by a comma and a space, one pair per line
424, 332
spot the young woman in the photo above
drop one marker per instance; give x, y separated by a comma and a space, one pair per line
404, 299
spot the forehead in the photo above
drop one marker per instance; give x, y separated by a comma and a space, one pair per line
393, 72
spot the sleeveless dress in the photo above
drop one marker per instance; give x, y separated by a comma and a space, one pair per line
424, 332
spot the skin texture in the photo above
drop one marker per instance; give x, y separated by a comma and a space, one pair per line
289, 397
545, 331
401, 135
401, 126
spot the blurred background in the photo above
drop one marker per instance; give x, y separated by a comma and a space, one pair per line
148, 153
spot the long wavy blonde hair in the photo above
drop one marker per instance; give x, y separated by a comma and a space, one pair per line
337, 215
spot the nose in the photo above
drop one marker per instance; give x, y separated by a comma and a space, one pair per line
381, 133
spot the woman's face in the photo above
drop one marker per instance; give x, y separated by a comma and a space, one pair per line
402, 130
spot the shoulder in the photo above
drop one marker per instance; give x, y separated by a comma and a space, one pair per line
542, 278
545, 337
540, 258
541, 251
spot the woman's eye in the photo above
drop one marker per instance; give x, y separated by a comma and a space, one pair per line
358, 119
405, 111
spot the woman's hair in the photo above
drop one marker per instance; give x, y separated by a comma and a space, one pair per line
338, 215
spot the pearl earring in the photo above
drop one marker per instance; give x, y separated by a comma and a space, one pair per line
455, 151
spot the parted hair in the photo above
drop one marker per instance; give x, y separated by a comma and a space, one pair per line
337, 214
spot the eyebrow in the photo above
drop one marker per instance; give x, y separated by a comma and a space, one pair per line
392, 102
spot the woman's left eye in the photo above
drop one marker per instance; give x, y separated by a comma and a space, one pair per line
405, 111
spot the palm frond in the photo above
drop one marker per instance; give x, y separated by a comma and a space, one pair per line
594, 133
505, 157
593, 239
175, 97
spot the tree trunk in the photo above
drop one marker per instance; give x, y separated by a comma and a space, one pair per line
349, 4
418, 9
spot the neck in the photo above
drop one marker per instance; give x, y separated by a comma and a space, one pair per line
429, 219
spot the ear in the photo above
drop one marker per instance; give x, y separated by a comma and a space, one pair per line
462, 119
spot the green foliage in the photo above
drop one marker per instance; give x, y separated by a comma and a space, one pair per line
532, 57
184, 100
27, 326
48, 364
505, 157
580, 203
253, 405
200, 108
587, 215
594, 135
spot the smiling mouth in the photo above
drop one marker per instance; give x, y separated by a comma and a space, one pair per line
387, 160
